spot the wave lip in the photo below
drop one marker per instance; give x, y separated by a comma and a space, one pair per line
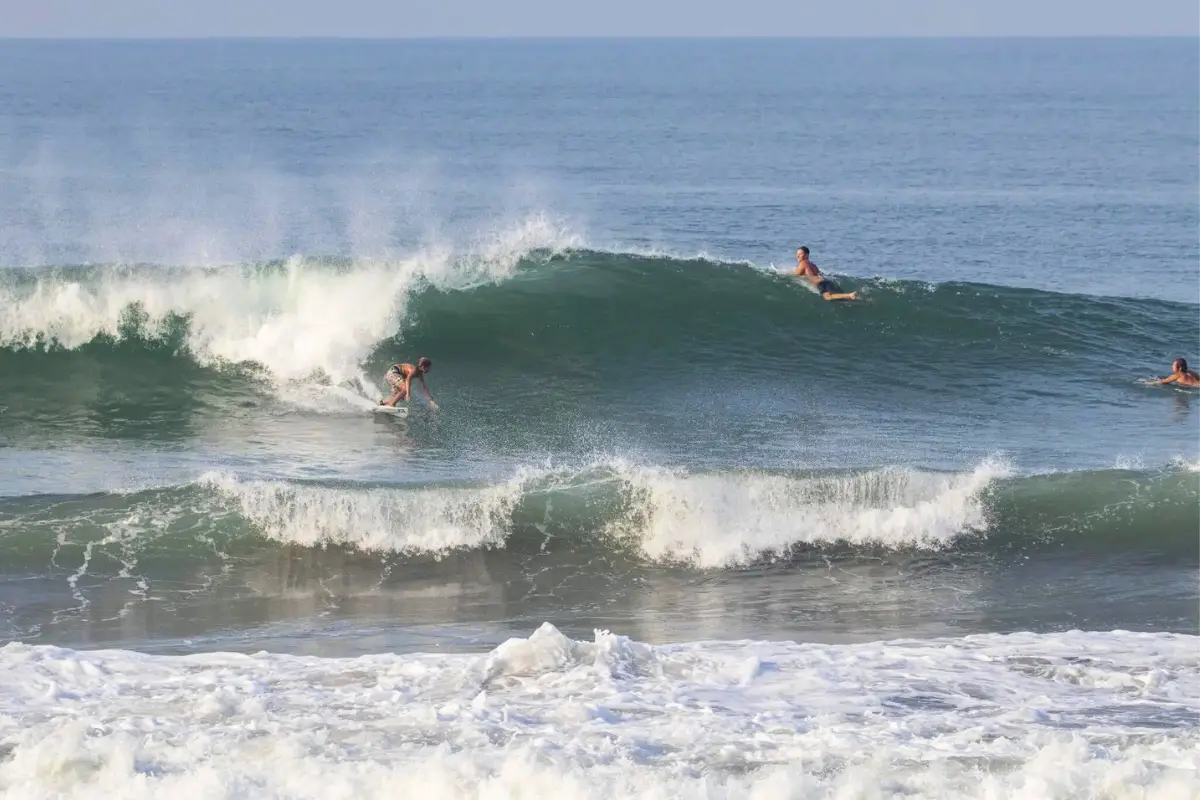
733, 519
377, 519
712, 520
306, 317
708, 521
294, 318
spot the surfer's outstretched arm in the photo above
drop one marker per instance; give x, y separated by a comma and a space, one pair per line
1179, 374
425, 389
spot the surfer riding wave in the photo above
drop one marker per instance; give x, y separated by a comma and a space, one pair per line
400, 376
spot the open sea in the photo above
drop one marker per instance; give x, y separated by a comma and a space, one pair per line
678, 528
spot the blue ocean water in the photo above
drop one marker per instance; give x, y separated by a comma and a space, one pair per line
1063, 165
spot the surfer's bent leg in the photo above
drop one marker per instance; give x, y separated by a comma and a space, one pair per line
396, 381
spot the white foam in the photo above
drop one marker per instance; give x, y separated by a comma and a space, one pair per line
298, 319
726, 519
707, 520
379, 519
1051, 716
1133, 463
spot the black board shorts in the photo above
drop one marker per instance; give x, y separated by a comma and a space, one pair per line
826, 286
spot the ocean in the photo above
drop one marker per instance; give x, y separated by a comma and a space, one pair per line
677, 527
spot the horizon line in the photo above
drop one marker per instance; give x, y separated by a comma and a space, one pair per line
591, 37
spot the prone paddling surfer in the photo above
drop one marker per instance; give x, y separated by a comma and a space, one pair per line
825, 287
1179, 374
400, 377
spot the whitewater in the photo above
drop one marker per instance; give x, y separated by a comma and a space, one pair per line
1017, 715
295, 318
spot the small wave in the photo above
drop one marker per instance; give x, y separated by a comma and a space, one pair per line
708, 521
384, 519
702, 520
725, 520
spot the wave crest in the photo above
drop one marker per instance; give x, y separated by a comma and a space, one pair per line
392, 520
703, 520
707, 521
526, 296
724, 520
296, 318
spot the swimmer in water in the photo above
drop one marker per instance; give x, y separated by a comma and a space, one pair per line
827, 288
1179, 374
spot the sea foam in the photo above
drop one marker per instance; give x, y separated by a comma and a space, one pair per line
1059, 715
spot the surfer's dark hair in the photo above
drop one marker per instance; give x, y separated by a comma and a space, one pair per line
1182, 362
424, 363
804, 249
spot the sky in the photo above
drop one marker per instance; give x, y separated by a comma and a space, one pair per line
508, 18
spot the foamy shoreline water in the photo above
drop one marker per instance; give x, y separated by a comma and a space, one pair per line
1047, 715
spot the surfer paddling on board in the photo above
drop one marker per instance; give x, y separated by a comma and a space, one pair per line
1179, 374
827, 288
400, 377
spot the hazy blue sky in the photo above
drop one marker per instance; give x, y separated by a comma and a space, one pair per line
399, 18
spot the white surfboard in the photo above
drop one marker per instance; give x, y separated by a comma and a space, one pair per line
366, 403
397, 411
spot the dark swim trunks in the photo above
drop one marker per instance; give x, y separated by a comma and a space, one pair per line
826, 286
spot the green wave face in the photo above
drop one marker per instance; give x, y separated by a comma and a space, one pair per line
140, 347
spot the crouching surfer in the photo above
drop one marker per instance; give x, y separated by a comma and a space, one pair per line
400, 378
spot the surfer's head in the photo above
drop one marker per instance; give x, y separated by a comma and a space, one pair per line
1179, 365
424, 364
802, 254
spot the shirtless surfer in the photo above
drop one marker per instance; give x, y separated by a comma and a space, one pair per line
827, 288
400, 377
1179, 374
